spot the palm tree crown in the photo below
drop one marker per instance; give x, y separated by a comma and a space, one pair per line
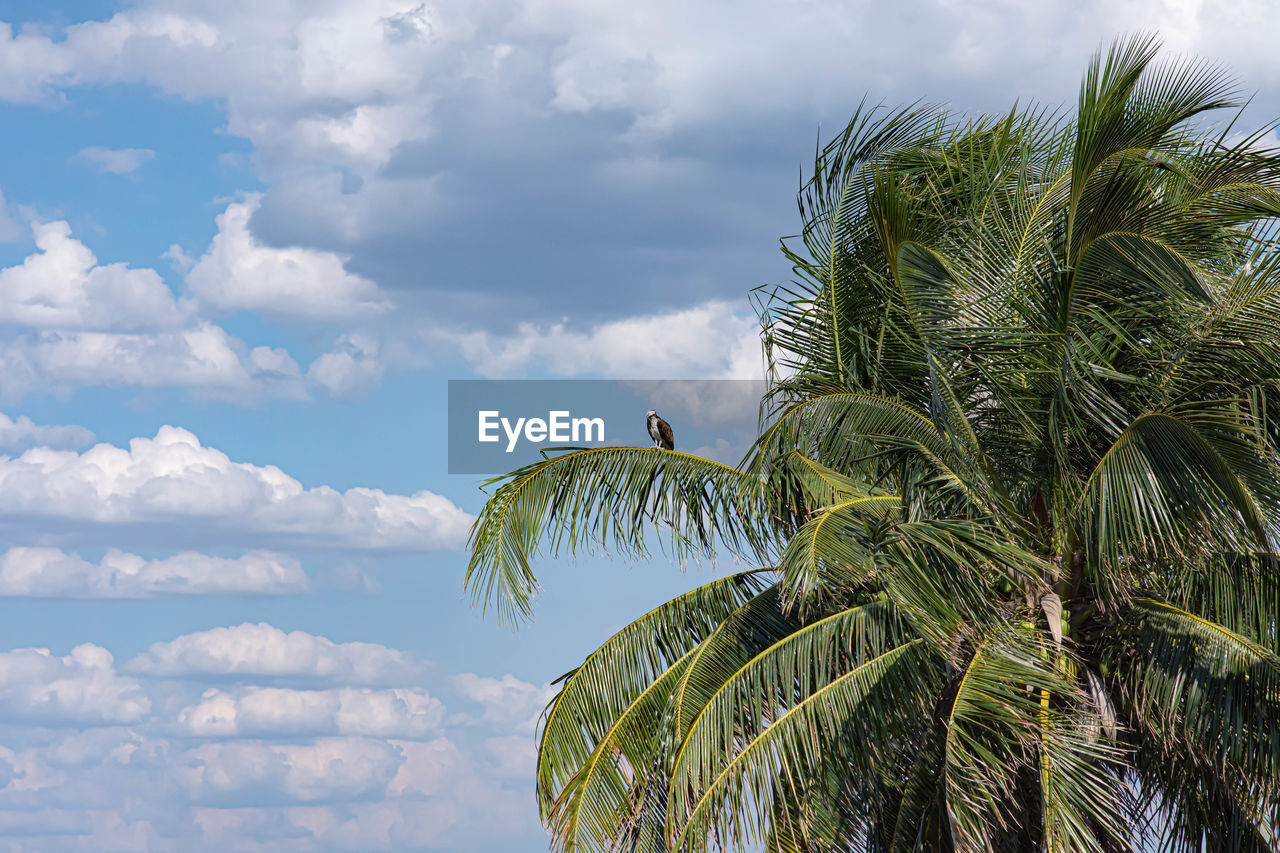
1017, 496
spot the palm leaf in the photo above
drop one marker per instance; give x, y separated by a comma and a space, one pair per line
602, 497
861, 705
597, 694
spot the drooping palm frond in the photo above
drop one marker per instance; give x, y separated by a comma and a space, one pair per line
866, 705
998, 723
941, 574
1203, 685
754, 626
865, 434
1163, 490
1237, 592
1188, 806
776, 678
607, 794
606, 497
835, 547
598, 693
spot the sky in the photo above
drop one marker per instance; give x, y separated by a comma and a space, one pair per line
244, 245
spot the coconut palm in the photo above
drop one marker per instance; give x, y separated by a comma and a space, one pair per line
1014, 504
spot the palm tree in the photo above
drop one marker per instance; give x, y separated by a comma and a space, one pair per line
1015, 500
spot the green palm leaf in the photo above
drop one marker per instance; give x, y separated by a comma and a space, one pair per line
604, 497
787, 671
737, 800
1205, 685
597, 694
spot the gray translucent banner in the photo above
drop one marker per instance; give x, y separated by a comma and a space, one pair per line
498, 425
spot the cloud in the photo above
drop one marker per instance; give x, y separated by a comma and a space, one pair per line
17, 435
159, 486
257, 773
710, 340
384, 131
203, 359
238, 273
80, 688
264, 651
350, 368
63, 287
51, 573
96, 759
507, 701
513, 755
117, 161
424, 139
350, 711
87, 324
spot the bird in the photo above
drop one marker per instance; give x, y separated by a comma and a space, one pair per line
660, 431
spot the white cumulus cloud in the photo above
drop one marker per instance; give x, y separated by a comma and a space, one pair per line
64, 287
203, 359
400, 712
96, 759
351, 367
52, 573
81, 323
80, 688
251, 772
238, 273
17, 434
172, 478
263, 651
507, 701
708, 340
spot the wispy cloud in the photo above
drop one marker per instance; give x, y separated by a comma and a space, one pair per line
117, 161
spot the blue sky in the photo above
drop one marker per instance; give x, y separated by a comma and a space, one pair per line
244, 246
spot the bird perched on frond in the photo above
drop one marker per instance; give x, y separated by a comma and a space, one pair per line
660, 431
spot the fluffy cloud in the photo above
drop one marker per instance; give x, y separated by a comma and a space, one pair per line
238, 273
172, 478
95, 760
117, 161
260, 651
63, 287
51, 573
380, 65
507, 701
710, 340
88, 324
352, 366
264, 711
82, 687
203, 359
513, 755
254, 773
419, 135
21, 433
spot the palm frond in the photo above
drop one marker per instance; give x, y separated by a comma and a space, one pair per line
602, 497
862, 706
597, 694
1204, 685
